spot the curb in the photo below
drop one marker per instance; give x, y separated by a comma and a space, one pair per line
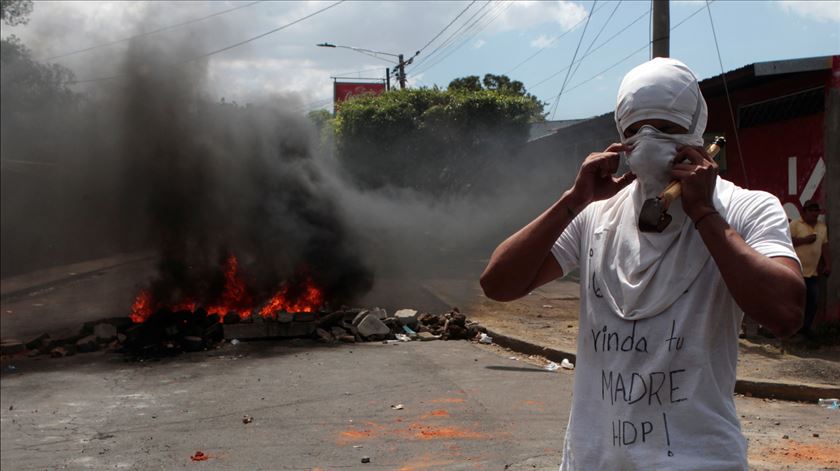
747, 386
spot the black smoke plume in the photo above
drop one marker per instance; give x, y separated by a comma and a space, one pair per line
147, 161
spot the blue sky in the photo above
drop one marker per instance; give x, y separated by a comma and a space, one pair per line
287, 64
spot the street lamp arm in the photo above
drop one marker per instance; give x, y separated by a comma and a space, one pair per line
357, 49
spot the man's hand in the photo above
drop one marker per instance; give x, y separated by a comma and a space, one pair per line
697, 172
596, 178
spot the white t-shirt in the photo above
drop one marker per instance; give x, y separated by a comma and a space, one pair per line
657, 392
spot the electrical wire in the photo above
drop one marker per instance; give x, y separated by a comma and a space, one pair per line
629, 55
616, 64
472, 31
553, 40
728, 98
449, 39
149, 33
606, 41
226, 48
589, 48
445, 28
574, 56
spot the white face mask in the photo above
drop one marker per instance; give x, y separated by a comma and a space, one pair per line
652, 158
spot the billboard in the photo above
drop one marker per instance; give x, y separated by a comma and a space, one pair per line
344, 90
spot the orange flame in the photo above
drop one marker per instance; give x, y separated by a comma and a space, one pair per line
236, 298
310, 299
142, 307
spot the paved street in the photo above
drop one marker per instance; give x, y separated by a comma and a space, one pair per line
314, 406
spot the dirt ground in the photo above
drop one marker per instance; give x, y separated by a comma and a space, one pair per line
549, 317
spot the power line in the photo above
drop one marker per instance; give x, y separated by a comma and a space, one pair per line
574, 56
574, 27
226, 48
149, 33
446, 27
606, 41
446, 42
378, 69
616, 64
588, 48
472, 31
728, 99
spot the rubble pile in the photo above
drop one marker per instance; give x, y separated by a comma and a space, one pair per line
167, 333
357, 325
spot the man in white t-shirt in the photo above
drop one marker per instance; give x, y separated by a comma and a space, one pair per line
660, 312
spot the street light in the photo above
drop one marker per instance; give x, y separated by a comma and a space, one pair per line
400, 67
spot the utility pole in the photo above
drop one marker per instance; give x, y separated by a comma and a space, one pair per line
661, 34
387, 79
401, 65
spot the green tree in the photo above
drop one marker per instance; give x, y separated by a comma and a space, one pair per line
440, 141
470, 83
502, 84
15, 12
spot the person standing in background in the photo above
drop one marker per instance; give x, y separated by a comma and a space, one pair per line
810, 240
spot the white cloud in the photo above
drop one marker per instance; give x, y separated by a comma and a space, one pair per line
523, 15
542, 41
814, 10
286, 61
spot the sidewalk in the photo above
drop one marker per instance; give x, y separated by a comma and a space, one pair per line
546, 323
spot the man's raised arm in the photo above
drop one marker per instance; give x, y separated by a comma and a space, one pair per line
524, 260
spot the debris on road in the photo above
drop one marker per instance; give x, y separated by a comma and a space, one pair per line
566, 364
484, 338
551, 366
365, 459
247, 419
199, 456
397, 407
830, 403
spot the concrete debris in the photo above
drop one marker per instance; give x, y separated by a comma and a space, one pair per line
38, 342
247, 419
60, 352
87, 344
323, 335
370, 327
365, 459
567, 365
105, 332
397, 406
426, 336
167, 333
407, 317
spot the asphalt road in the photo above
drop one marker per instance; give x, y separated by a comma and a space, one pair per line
314, 406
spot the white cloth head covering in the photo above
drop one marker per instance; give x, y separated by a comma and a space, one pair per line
641, 274
662, 88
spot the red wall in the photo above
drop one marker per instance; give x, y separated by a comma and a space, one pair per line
767, 148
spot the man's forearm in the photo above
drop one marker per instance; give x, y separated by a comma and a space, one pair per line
516, 261
767, 290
